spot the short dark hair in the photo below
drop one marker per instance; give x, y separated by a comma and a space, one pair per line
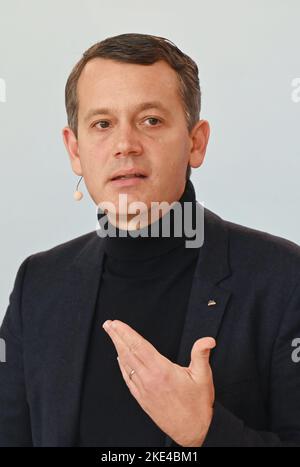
143, 49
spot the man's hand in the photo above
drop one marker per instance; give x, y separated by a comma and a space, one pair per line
178, 399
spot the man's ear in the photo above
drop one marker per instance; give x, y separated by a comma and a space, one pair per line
71, 144
199, 140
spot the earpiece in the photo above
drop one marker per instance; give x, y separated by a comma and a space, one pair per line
77, 194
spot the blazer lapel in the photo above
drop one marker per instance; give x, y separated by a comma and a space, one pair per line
212, 267
77, 306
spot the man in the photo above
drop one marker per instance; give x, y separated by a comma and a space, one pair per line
206, 337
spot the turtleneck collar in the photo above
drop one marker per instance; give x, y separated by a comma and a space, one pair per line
145, 247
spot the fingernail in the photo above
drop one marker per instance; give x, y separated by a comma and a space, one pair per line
106, 324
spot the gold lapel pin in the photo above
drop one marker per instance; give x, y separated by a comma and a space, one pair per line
211, 303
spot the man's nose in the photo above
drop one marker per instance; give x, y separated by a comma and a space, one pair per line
127, 141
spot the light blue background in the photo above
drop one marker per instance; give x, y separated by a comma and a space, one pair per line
248, 55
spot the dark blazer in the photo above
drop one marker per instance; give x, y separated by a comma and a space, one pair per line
254, 278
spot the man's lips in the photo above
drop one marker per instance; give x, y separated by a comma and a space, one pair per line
129, 176
129, 172
130, 181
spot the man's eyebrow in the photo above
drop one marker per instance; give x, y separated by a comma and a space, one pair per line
139, 108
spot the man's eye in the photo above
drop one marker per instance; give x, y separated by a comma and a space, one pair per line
102, 122
105, 123
153, 119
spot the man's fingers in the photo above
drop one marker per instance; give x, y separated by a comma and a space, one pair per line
125, 336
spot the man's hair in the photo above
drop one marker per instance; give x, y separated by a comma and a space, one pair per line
143, 49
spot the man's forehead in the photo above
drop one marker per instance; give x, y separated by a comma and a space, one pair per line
147, 105
99, 73
103, 65
105, 82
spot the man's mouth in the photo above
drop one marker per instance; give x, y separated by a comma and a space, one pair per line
129, 173
128, 180
124, 177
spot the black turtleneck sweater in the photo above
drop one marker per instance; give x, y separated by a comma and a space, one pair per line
146, 283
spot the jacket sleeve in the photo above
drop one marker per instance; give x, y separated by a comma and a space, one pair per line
284, 394
15, 427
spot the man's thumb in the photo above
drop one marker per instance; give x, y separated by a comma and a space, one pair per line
200, 353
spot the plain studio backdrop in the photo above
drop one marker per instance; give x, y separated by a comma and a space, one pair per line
248, 58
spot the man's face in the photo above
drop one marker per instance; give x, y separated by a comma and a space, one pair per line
116, 133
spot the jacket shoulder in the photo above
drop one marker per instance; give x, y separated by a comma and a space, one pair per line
253, 249
263, 251
63, 254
